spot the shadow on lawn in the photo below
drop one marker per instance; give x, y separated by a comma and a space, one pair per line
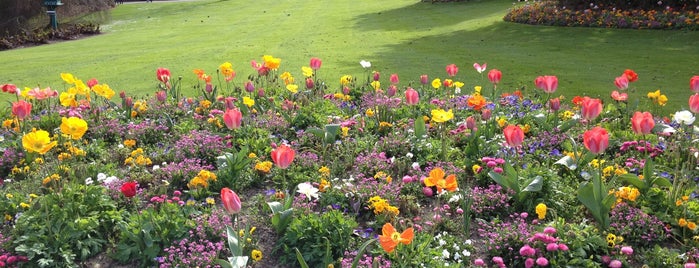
425, 16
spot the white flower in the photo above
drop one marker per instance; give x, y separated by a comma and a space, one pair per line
120, 146
445, 254
88, 181
109, 179
393, 159
308, 190
466, 252
684, 117
457, 256
101, 176
409, 155
468, 242
455, 198
2, 138
156, 167
442, 242
416, 165
457, 90
365, 64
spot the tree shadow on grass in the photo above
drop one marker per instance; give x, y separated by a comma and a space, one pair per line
424, 16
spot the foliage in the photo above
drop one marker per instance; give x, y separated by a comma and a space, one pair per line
64, 227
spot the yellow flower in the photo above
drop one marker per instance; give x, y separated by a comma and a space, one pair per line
611, 237
39, 160
37, 142
345, 80
68, 78
370, 113
541, 210
436, 83
287, 78
654, 95
345, 131
502, 122
248, 101
67, 99
271, 62
678, 202
458, 84
323, 185
476, 168
477, 89
211, 201
8, 217
376, 85
256, 255
81, 88
384, 124
104, 91
292, 88
24, 205
441, 116
662, 100
324, 171
307, 71
252, 155
682, 222
263, 167
74, 127
526, 128
226, 69
9, 196
7, 123
691, 225
130, 143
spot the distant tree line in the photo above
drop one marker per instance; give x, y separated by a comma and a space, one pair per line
23, 16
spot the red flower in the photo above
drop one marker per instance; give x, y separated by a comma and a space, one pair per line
21, 109
412, 97
547, 83
230, 200
163, 75
129, 189
631, 75
642, 123
619, 96
591, 108
577, 100
92, 82
694, 103
9, 88
514, 135
315, 63
495, 75
693, 84
452, 70
283, 156
232, 118
596, 140
555, 104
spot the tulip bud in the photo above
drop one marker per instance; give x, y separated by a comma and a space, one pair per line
231, 201
424, 79
249, 87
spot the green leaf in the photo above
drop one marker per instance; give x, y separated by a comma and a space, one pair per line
360, 252
223, 263
633, 180
331, 131
534, 185
420, 127
299, 257
233, 243
567, 162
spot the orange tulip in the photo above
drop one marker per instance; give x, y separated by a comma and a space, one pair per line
642, 123
437, 179
390, 238
283, 156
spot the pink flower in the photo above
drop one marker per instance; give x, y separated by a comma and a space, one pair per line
549, 230
547, 83
163, 75
555, 104
42, 94
498, 260
161, 95
527, 250
562, 247
619, 96
230, 200
315, 63
551, 247
452, 70
424, 79
283, 156
427, 191
480, 68
529, 263
541, 261
627, 250
642, 123
310, 84
690, 265
233, 118
21, 109
92, 82
514, 135
478, 262
494, 76
394, 78
591, 108
249, 86
412, 97
621, 82
694, 103
615, 264
377, 76
596, 140
693, 84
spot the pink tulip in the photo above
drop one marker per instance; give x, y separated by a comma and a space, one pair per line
471, 123
642, 123
480, 68
391, 90
310, 84
233, 118
412, 97
283, 156
377, 76
694, 103
394, 79
315, 63
161, 96
452, 70
596, 140
591, 108
619, 96
12, 89
230, 200
547, 83
424, 79
690, 265
486, 114
21, 109
621, 82
555, 104
249, 86
495, 75
514, 135
163, 75
694, 83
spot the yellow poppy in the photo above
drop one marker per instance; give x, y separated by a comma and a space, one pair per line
436, 83
248, 101
37, 141
441, 116
307, 71
74, 127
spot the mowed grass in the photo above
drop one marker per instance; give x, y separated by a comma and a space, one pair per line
409, 38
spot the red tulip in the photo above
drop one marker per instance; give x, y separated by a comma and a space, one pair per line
547, 83
232, 118
377, 76
424, 79
693, 83
495, 75
555, 104
92, 82
642, 123
596, 140
310, 84
631, 75
591, 108
163, 75
694, 103
452, 69
619, 96
315, 63
514, 135
621, 82
412, 97
394, 78
21, 109
9, 88
283, 156
129, 189
230, 200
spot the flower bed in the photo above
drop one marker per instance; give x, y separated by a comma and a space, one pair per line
554, 14
282, 170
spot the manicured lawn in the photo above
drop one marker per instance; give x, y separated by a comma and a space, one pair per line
405, 37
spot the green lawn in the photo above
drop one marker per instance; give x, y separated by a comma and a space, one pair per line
405, 37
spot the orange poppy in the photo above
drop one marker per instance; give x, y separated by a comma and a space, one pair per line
436, 178
390, 238
477, 102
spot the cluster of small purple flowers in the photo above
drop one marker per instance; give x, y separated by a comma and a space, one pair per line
372, 100
108, 129
147, 131
9, 160
271, 121
371, 163
491, 202
199, 144
203, 246
642, 147
367, 261
180, 173
307, 159
636, 226
502, 238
